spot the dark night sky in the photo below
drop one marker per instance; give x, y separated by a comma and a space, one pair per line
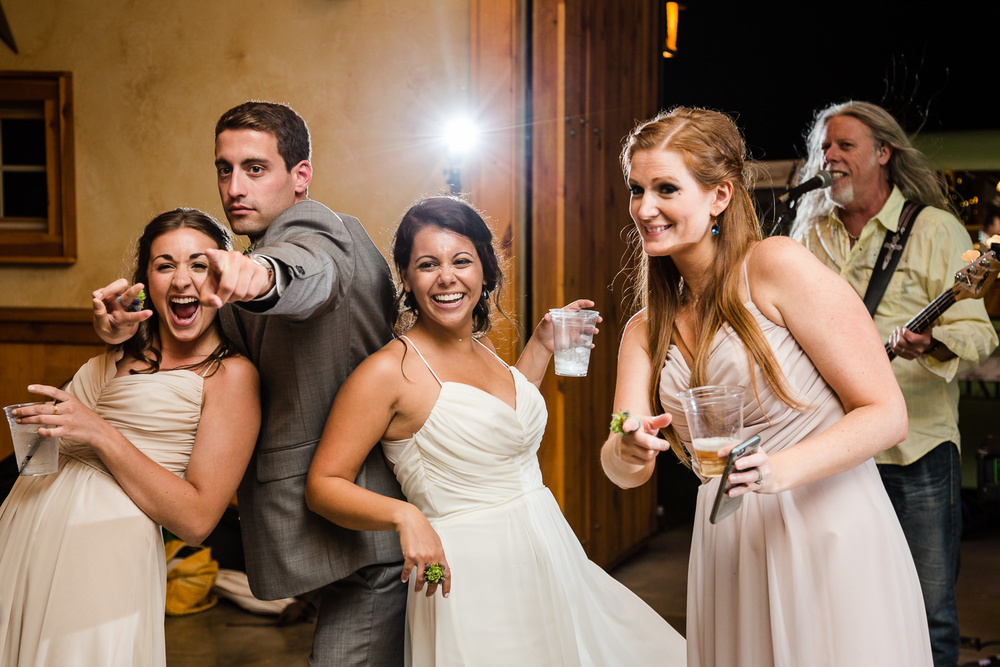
772, 64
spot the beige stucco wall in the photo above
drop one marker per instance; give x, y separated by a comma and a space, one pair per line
374, 80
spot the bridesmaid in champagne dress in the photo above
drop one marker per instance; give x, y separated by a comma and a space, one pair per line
461, 430
813, 567
155, 433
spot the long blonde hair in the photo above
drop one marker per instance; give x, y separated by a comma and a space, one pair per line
714, 153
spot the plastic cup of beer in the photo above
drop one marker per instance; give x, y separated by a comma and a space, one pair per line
572, 335
35, 454
715, 419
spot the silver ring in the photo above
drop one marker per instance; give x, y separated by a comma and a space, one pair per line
760, 477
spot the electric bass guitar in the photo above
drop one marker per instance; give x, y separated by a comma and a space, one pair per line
971, 282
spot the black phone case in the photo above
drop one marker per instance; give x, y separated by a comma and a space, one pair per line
724, 505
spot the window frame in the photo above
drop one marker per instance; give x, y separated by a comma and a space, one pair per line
56, 244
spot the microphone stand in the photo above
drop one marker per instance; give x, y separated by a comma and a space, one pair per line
783, 222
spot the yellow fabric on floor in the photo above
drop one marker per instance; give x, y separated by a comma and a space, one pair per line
189, 580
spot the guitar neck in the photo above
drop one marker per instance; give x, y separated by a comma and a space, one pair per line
926, 317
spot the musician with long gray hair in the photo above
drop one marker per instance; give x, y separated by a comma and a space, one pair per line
885, 226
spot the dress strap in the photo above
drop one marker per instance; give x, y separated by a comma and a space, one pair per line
415, 349
495, 355
746, 276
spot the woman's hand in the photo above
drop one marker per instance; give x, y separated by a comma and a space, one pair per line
754, 473
422, 547
113, 321
543, 332
640, 444
66, 417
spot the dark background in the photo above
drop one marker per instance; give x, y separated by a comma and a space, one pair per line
771, 65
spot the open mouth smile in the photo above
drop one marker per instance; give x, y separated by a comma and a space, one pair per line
450, 299
184, 309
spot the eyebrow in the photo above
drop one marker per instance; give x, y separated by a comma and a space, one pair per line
460, 252
246, 161
656, 180
170, 257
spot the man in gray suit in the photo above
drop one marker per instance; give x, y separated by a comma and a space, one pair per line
310, 301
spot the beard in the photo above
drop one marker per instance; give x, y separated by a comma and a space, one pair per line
842, 196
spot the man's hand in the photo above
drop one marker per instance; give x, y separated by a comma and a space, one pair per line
908, 345
233, 277
113, 321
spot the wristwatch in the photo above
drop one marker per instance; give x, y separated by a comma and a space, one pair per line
266, 263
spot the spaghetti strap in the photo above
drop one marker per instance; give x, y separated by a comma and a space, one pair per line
415, 349
746, 277
495, 355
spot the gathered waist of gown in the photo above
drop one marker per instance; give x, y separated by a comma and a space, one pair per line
501, 504
87, 457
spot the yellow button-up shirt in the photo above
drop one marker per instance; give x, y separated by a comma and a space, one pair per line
927, 268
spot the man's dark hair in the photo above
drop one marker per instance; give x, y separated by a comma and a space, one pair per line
280, 120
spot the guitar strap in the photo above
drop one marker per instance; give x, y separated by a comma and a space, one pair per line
888, 257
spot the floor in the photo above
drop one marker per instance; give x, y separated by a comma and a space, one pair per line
226, 636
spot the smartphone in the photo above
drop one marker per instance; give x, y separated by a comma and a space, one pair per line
724, 505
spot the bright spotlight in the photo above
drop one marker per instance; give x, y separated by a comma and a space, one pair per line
461, 136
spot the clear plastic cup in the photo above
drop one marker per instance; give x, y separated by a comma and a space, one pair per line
35, 454
715, 419
573, 333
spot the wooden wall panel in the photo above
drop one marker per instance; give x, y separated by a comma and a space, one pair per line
40, 346
497, 177
594, 75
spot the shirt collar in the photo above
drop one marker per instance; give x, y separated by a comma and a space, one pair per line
888, 216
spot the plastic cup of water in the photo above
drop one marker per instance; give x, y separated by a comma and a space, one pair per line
35, 454
573, 333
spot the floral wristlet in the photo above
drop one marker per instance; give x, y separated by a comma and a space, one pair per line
618, 420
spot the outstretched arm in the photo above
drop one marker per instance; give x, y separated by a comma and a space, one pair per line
629, 459
189, 507
234, 277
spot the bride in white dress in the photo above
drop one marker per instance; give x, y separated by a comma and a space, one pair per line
461, 430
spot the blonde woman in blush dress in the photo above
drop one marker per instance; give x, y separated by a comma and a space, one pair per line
813, 567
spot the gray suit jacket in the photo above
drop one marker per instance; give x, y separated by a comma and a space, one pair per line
336, 310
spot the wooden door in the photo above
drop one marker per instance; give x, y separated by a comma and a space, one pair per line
594, 75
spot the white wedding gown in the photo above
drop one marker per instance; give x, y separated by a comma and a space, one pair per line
523, 591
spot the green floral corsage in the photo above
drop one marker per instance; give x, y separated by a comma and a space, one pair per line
434, 573
137, 302
618, 420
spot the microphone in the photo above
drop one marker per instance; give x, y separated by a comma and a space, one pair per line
822, 179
